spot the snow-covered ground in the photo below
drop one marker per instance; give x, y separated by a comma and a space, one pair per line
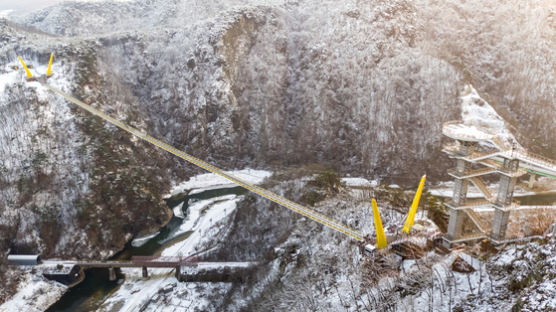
10, 77
178, 210
161, 292
210, 181
205, 220
447, 287
140, 241
5, 13
481, 116
480, 122
35, 293
359, 182
203, 216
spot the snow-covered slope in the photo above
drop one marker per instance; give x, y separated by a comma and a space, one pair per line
362, 86
478, 114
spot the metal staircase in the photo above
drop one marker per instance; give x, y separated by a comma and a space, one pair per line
481, 185
476, 220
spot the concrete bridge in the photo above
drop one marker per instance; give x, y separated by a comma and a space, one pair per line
190, 265
70, 272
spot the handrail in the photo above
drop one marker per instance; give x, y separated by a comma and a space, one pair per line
472, 173
478, 156
468, 238
495, 140
525, 207
535, 157
311, 214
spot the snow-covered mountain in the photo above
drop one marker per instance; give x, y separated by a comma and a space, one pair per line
363, 86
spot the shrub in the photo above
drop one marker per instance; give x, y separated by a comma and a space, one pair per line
330, 180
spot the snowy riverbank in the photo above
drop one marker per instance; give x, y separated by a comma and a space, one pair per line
35, 293
211, 181
204, 219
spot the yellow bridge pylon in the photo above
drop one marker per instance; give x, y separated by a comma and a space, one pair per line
411, 215
49, 70
29, 75
380, 236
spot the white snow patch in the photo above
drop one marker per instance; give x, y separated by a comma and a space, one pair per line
477, 112
213, 181
136, 292
178, 211
11, 77
34, 294
482, 118
450, 287
201, 218
409, 266
359, 182
196, 210
467, 131
5, 13
140, 241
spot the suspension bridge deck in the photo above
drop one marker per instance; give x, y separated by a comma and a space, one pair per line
309, 213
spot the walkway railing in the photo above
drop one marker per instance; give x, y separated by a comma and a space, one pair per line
313, 215
536, 159
471, 173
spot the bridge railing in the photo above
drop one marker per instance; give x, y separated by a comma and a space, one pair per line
472, 173
165, 259
537, 158
258, 190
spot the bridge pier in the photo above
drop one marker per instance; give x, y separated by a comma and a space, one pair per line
459, 196
145, 272
455, 226
499, 224
531, 180
178, 272
111, 274
504, 200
